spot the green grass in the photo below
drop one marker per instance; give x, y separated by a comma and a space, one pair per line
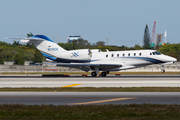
90, 112
93, 89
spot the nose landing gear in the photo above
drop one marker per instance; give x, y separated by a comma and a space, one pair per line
162, 69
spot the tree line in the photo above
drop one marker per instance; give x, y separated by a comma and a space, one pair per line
19, 53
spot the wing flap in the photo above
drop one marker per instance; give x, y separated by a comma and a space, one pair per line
87, 66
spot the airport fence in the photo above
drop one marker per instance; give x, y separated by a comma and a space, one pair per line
49, 68
34, 68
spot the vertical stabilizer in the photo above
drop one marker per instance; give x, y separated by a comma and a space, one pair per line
45, 45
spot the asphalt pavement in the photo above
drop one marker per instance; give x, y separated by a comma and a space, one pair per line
86, 98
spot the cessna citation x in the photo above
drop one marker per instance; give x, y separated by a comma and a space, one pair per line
95, 60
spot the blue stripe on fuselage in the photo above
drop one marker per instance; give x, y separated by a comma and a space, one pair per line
49, 57
148, 59
74, 61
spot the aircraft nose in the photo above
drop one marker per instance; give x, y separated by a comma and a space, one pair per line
174, 60
170, 59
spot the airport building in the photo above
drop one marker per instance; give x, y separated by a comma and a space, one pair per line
159, 38
71, 38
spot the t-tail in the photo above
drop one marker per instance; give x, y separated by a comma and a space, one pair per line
45, 45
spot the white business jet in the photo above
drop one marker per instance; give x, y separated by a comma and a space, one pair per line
95, 60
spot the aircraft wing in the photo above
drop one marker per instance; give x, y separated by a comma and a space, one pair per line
88, 66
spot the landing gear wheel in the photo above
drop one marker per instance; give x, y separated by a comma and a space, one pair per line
162, 70
93, 74
103, 74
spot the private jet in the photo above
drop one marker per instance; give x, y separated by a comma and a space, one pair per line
96, 60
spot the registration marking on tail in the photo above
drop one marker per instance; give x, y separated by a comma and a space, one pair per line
72, 85
102, 101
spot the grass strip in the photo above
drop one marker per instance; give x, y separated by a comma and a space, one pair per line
94, 89
91, 112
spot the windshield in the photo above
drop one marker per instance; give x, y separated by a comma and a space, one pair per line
157, 53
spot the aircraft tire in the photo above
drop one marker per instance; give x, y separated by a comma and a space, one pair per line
103, 74
162, 70
93, 74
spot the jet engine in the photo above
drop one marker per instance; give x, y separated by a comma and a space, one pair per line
82, 55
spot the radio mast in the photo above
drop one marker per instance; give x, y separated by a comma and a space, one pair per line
153, 34
165, 34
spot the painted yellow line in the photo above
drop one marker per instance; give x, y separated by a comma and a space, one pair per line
72, 85
101, 101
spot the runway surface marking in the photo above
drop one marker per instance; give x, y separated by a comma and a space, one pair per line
72, 85
102, 101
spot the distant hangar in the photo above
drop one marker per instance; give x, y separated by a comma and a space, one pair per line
71, 38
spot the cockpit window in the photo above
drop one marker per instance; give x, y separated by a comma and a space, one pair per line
157, 53
153, 53
150, 53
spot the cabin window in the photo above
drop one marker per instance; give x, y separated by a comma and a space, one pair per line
139, 54
134, 54
117, 55
123, 55
128, 54
112, 55
106, 55
150, 53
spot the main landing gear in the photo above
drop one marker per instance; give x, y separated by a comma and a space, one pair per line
103, 74
93, 74
162, 69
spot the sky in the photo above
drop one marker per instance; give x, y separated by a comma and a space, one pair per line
122, 21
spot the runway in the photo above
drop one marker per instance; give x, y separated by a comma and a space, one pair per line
86, 98
135, 81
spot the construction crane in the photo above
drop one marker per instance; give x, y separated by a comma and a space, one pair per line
153, 35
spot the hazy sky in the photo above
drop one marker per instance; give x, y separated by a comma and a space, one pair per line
122, 21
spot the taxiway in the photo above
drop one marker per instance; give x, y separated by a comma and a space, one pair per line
85, 98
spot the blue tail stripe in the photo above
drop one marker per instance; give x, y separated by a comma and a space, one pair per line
42, 36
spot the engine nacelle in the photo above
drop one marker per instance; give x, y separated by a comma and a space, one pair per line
82, 54
95, 50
